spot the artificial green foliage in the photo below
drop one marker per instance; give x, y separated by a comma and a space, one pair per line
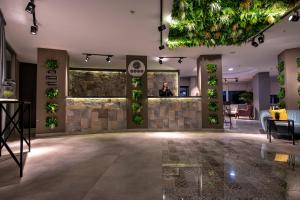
212, 106
280, 67
212, 93
52, 93
298, 62
8, 93
246, 97
281, 79
222, 23
137, 95
298, 104
136, 82
213, 119
298, 77
52, 64
51, 107
299, 90
211, 68
282, 105
51, 122
137, 119
136, 107
281, 93
212, 80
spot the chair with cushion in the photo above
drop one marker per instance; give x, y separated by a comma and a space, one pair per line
245, 110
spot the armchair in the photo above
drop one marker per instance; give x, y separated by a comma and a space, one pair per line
246, 110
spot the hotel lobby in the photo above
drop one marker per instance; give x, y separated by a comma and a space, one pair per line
144, 100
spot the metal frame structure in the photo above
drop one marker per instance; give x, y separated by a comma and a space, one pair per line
15, 123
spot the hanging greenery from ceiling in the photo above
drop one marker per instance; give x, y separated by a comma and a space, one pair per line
221, 23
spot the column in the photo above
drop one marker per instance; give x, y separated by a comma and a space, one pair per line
210, 74
51, 90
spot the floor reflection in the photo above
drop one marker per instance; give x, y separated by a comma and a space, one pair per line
228, 169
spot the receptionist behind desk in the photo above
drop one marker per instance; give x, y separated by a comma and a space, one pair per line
165, 91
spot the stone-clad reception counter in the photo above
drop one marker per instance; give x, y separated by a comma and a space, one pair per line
109, 114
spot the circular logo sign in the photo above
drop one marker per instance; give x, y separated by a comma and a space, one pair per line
136, 68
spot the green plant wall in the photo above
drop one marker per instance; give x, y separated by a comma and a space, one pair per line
221, 23
136, 104
212, 94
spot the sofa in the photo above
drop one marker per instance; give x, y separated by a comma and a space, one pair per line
282, 127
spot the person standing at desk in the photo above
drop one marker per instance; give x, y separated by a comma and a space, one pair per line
165, 91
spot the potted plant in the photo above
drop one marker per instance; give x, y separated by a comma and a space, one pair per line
51, 122
51, 107
280, 79
52, 93
137, 119
281, 93
52, 64
212, 80
277, 115
213, 119
211, 68
282, 105
246, 97
137, 94
212, 93
280, 67
136, 82
212, 106
136, 107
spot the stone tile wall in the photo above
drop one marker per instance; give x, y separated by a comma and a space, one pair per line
95, 114
174, 113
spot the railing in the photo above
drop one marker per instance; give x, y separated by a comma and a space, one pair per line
15, 123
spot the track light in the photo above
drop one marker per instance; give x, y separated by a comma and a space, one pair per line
30, 7
261, 38
255, 44
87, 57
108, 59
180, 60
34, 29
160, 61
162, 28
294, 17
161, 47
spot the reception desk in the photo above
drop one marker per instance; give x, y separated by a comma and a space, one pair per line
109, 114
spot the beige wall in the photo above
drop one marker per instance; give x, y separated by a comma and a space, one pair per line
63, 61
291, 70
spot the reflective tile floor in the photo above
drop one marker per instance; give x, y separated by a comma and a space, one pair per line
157, 165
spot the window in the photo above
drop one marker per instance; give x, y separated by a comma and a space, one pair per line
184, 91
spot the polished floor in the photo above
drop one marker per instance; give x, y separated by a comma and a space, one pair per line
155, 165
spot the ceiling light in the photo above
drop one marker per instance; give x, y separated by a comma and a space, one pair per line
108, 59
33, 30
87, 57
30, 7
294, 17
162, 28
180, 60
230, 69
261, 38
255, 44
161, 47
160, 61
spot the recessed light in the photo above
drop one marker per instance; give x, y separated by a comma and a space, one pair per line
230, 69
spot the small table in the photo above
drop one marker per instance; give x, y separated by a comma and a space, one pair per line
291, 127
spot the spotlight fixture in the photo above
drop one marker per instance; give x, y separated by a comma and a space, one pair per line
161, 47
236, 80
261, 38
255, 44
162, 28
108, 59
180, 60
87, 57
294, 17
34, 29
30, 7
160, 61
